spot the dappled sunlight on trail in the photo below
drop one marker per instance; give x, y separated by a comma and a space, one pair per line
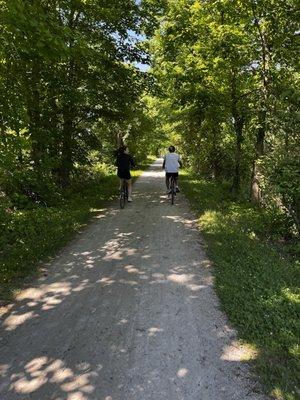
42, 371
126, 311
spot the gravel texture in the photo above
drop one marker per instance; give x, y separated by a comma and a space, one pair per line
127, 311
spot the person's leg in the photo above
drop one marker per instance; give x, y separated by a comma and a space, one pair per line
121, 183
129, 183
176, 183
167, 182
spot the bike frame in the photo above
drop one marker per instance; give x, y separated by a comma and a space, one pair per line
172, 189
124, 193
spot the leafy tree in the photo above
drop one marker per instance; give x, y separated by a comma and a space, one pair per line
68, 66
224, 67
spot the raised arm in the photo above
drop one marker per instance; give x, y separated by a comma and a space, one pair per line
179, 161
132, 162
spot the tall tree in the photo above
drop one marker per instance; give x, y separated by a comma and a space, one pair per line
71, 64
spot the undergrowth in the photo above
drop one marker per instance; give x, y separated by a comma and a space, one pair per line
257, 278
29, 236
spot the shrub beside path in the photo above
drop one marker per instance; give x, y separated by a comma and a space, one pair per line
127, 311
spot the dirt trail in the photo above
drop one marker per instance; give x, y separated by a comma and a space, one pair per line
127, 311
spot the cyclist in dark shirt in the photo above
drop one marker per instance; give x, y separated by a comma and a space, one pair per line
124, 163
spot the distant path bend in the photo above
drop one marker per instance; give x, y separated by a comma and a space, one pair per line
127, 311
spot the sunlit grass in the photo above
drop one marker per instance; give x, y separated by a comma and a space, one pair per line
256, 280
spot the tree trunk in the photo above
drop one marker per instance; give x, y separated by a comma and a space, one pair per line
69, 110
255, 192
20, 153
66, 150
236, 184
53, 125
215, 156
238, 123
34, 114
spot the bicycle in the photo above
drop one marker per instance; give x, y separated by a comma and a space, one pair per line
123, 193
172, 191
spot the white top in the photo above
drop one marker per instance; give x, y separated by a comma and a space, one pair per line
171, 162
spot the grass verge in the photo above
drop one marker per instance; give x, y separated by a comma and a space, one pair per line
257, 281
29, 237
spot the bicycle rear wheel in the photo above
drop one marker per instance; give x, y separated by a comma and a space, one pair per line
173, 191
122, 200
123, 194
173, 197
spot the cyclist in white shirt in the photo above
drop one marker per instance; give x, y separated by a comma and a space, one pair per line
171, 165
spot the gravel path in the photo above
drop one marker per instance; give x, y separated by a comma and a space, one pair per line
127, 311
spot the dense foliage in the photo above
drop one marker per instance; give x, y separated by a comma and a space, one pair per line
227, 71
70, 92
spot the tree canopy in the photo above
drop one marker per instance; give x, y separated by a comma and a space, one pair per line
227, 70
67, 78
223, 85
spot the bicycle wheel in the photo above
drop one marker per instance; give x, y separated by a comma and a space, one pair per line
123, 194
173, 191
122, 200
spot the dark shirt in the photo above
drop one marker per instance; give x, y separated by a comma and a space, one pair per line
124, 162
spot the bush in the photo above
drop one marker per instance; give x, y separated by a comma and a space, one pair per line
284, 180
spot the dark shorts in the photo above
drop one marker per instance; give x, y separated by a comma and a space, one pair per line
124, 174
169, 174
